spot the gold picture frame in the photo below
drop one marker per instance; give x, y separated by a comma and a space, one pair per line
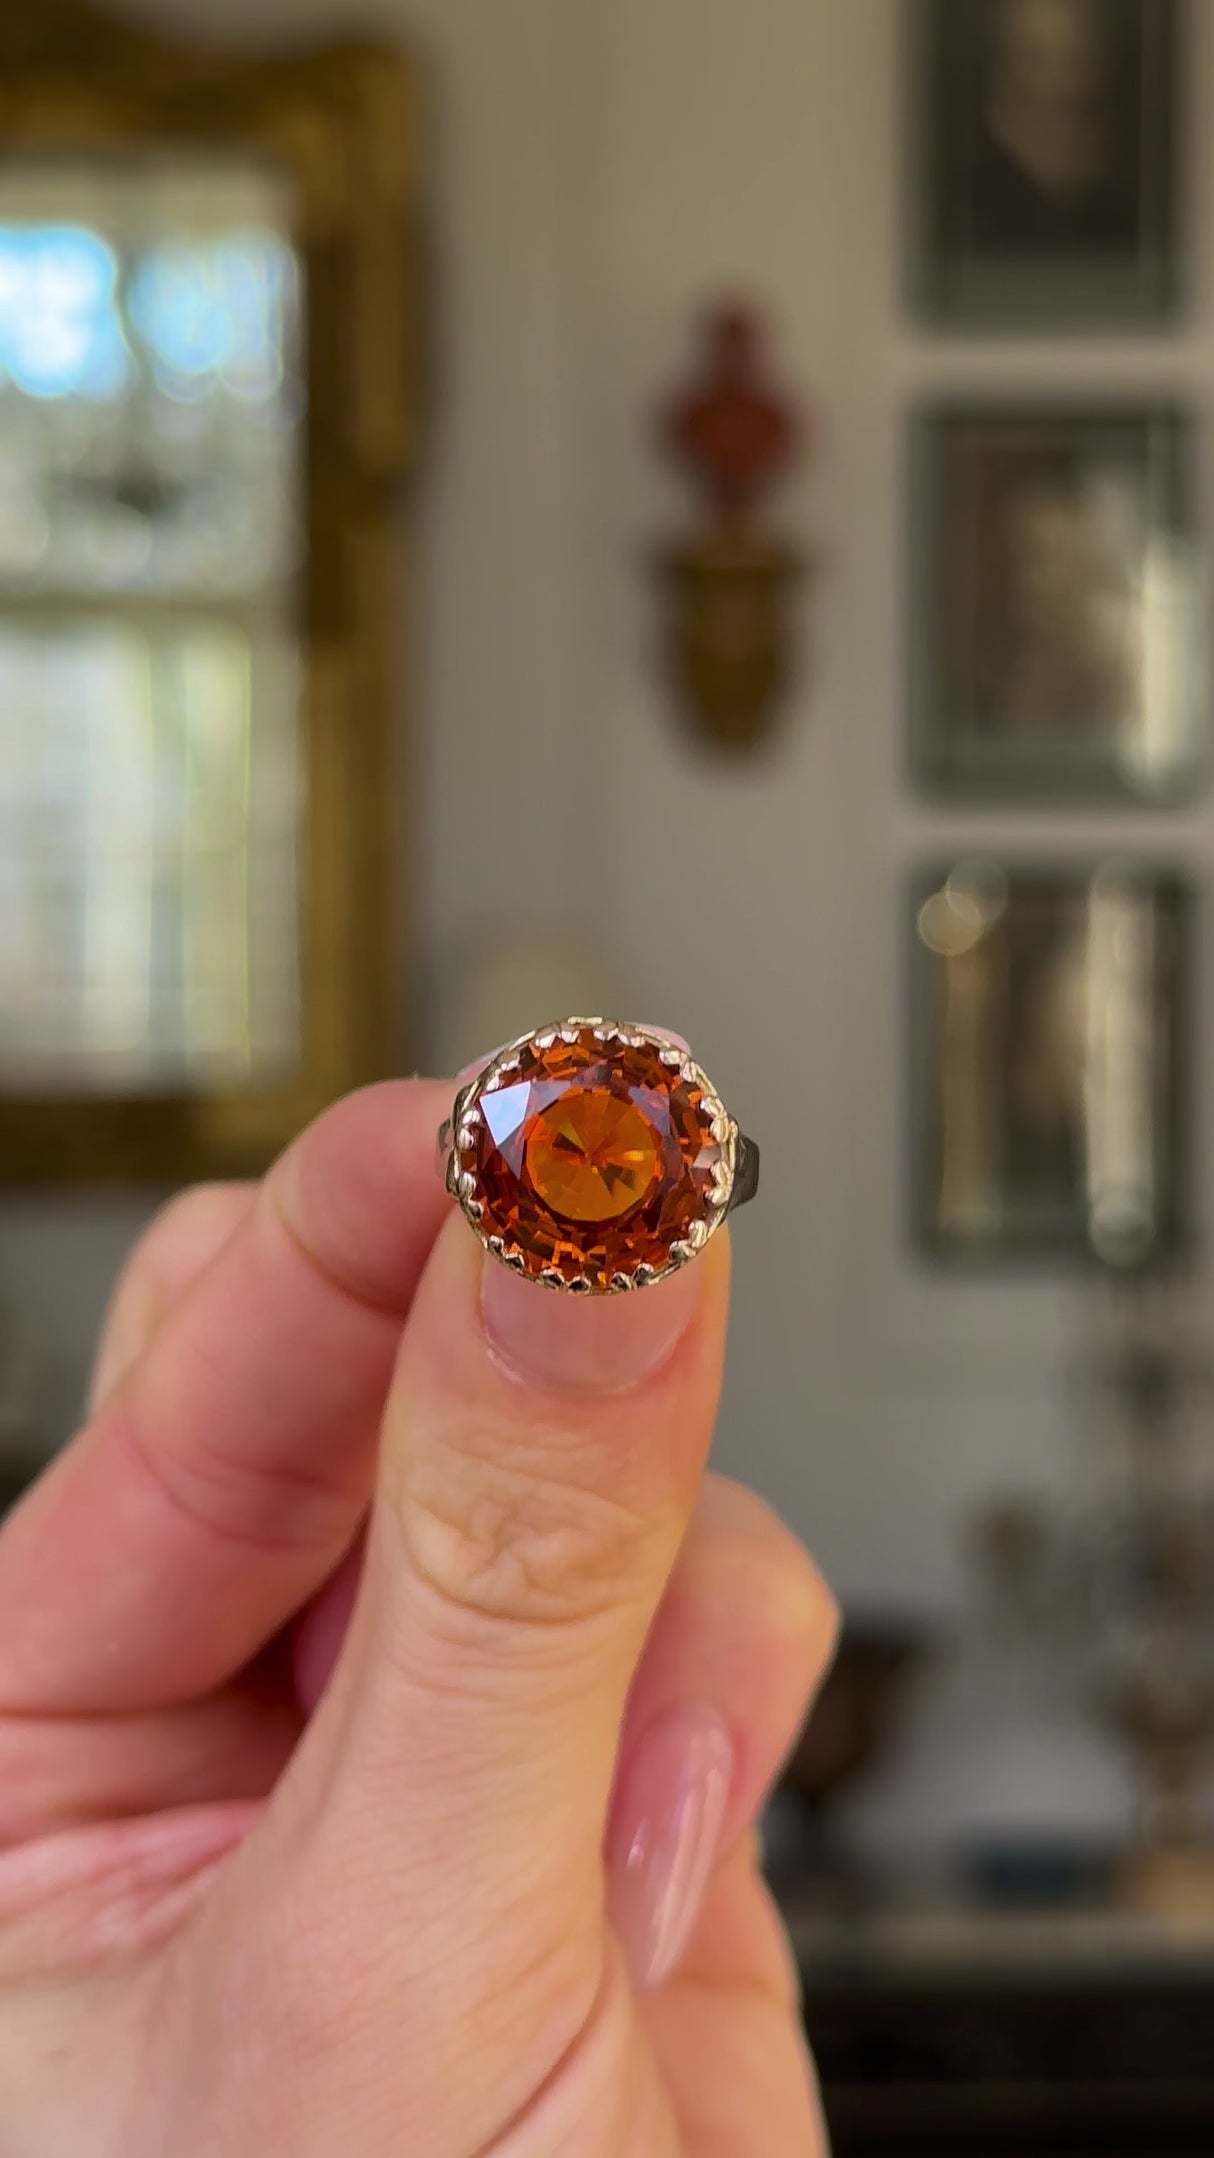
340, 124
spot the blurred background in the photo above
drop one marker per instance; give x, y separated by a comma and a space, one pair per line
699, 512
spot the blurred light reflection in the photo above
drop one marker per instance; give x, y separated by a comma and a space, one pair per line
61, 332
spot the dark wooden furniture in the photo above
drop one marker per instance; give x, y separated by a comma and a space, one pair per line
1013, 2037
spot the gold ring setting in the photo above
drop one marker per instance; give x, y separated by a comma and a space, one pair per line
594, 1157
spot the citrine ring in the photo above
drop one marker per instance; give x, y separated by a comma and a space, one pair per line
595, 1157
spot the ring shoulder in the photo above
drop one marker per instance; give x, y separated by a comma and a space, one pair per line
746, 1173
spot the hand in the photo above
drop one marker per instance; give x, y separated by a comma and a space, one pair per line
386, 1701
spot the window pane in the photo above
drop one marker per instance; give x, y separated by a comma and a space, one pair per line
150, 528
149, 382
148, 912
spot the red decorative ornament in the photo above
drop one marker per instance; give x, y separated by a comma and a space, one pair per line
729, 585
735, 437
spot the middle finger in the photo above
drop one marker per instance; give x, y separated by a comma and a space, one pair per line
740, 1644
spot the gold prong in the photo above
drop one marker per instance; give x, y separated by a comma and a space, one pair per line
546, 1039
467, 1184
672, 1055
553, 1276
473, 1209
607, 1031
622, 1281
497, 1245
579, 1287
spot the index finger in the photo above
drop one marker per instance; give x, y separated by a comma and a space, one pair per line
221, 1480
176, 1247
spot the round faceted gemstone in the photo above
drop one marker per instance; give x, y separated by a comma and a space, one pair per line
592, 1159
592, 1156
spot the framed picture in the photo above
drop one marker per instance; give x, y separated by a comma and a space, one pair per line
1047, 1041
1057, 607
1045, 158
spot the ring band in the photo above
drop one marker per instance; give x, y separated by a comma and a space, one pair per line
595, 1157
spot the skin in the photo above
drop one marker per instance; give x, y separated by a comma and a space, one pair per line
322, 1651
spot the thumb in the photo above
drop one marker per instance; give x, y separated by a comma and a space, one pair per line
541, 1459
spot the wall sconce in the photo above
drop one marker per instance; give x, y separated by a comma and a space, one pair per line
728, 587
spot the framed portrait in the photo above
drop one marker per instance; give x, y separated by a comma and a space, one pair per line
1056, 607
1048, 1047
1045, 158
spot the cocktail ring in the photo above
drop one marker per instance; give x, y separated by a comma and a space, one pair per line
595, 1157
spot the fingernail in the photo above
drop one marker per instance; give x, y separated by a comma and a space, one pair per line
468, 1072
591, 1344
667, 1033
664, 1836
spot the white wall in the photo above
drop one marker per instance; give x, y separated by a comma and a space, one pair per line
596, 170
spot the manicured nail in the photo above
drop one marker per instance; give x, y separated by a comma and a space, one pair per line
667, 1033
664, 1837
590, 1344
468, 1072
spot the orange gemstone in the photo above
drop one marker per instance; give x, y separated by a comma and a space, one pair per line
591, 1160
592, 1157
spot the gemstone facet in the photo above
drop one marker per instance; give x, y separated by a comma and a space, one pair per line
589, 1160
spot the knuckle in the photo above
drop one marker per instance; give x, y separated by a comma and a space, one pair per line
266, 1508
792, 1595
810, 1603
803, 1607
507, 1543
